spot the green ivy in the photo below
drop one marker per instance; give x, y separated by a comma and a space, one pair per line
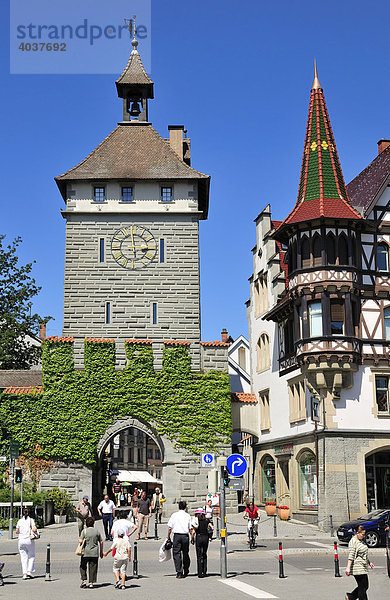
75, 408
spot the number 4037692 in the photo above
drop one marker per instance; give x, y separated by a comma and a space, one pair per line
43, 47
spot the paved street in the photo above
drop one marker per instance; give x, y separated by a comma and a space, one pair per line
308, 566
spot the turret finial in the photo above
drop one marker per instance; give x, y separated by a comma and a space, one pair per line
316, 83
132, 30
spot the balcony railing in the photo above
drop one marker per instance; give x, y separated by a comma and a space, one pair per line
335, 274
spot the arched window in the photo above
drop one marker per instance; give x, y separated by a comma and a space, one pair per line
263, 358
331, 249
386, 318
354, 253
308, 480
268, 478
317, 250
242, 358
382, 257
343, 250
305, 252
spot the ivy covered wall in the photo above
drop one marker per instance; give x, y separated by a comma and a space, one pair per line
66, 419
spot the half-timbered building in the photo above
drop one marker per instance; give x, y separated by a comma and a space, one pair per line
319, 323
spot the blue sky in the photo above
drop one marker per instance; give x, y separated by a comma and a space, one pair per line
238, 76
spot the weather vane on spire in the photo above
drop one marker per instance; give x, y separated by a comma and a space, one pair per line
131, 26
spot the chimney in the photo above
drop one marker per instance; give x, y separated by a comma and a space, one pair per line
179, 144
224, 336
382, 145
42, 331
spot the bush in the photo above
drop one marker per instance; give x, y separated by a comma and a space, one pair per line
30, 494
62, 501
4, 523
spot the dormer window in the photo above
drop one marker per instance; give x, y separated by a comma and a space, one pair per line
98, 194
166, 194
382, 257
127, 194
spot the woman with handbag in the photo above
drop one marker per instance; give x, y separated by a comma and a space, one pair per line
203, 534
27, 534
92, 549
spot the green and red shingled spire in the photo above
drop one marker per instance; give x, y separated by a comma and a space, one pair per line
322, 191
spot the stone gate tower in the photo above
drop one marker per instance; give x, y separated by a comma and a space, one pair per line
132, 246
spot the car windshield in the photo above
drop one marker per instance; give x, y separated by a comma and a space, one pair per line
375, 514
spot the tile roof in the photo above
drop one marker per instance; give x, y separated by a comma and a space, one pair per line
245, 398
364, 187
55, 338
134, 72
314, 209
176, 342
100, 340
139, 342
16, 378
21, 390
216, 343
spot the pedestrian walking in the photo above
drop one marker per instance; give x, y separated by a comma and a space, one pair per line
122, 548
180, 525
106, 510
203, 534
208, 510
134, 502
358, 563
122, 523
83, 510
144, 511
25, 529
117, 490
252, 514
158, 500
93, 548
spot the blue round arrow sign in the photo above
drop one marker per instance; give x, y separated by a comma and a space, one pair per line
236, 465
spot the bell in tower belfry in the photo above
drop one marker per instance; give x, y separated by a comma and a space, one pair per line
134, 85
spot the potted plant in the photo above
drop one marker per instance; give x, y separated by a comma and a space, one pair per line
283, 512
62, 503
270, 508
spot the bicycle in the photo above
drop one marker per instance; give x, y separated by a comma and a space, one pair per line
252, 533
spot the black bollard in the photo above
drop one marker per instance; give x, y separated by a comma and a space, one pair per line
281, 567
135, 561
218, 528
331, 525
275, 530
336, 562
47, 575
156, 526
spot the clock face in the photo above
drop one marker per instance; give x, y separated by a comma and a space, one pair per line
133, 247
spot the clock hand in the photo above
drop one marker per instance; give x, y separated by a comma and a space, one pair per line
132, 241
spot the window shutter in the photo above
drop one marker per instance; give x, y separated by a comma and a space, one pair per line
337, 311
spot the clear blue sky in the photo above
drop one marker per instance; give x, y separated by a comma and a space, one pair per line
238, 76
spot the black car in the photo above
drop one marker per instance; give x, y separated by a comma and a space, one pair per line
374, 523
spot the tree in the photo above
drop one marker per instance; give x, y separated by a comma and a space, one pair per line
17, 323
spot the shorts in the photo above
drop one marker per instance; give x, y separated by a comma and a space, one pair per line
120, 565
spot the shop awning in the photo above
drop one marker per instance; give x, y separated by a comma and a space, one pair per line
137, 477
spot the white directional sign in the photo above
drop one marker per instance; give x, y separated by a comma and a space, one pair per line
208, 460
236, 465
3, 459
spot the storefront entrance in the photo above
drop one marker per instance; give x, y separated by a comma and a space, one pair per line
378, 480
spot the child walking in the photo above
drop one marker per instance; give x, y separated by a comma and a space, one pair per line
122, 555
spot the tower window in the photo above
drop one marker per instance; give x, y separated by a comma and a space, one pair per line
127, 194
166, 194
108, 313
101, 250
336, 317
343, 250
305, 251
154, 313
162, 250
382, 394
98, 194
382, 257
317, 250
386, 316
330, 249
315, 319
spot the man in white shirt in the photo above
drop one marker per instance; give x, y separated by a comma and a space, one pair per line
106, 510
124, 524
180, 525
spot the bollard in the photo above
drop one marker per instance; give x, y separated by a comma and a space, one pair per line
331, 525
135, 561
275, 530
47, 575
156, 527
281, 567
217, 531
336, 562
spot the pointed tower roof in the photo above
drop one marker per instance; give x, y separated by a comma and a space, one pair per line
322, 191
134, 78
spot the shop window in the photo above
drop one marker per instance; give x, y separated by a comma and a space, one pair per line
315, 319
297, 398
308, 480
264, 410
330, 249
382, 394
317, 259
343, 250
263, 357
386, 318
336, 317
382, 257
305, 252
268, 479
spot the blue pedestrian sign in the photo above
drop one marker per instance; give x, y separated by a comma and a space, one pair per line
208, 460
236, 465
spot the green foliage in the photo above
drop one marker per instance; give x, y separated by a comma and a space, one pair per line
30, 494
99, 355
62, 501
4, 523
17, 288
67, 420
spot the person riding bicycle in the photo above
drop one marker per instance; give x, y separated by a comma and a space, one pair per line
252, 514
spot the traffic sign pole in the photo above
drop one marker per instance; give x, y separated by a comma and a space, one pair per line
11, 517
222, 508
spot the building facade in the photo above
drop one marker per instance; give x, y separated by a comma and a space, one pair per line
319, 314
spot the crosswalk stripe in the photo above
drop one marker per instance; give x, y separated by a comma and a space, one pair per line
319, 545
247, 589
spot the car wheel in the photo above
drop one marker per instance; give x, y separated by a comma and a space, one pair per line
372, 539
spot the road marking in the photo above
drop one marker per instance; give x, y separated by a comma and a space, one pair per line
313, 569
319, 545
247, 589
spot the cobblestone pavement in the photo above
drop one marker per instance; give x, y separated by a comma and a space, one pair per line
309, 567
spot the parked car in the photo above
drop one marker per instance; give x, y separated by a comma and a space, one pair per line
374, 523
